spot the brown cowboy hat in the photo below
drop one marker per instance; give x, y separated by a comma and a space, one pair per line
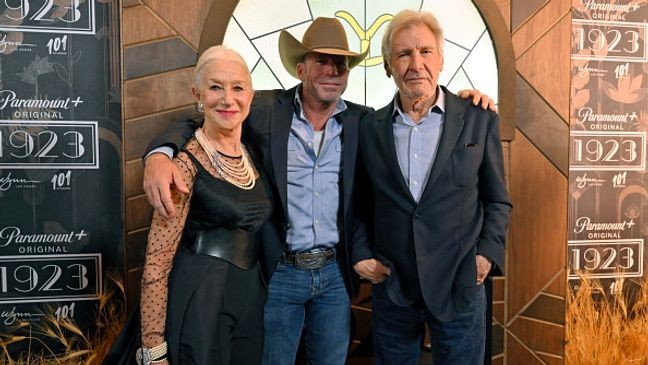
324, 35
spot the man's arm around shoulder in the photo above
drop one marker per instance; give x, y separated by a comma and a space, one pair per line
160, 173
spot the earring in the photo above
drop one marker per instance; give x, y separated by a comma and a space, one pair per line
201, 108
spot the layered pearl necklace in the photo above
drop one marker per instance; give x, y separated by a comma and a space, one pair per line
239, 174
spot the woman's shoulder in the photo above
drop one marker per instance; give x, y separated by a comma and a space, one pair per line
190, 154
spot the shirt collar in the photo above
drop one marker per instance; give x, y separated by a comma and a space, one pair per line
438, 106
340, 106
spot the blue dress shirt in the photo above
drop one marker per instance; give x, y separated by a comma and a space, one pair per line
313, 182
417, 143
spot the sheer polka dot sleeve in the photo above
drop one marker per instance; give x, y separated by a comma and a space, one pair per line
163, 239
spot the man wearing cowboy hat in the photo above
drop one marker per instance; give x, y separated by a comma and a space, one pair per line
310, 163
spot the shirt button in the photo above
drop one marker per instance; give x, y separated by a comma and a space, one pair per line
316, 193
316, 221
416, 155
415, 182
415, 129
310, 144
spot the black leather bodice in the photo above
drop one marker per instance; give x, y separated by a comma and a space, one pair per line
223, 220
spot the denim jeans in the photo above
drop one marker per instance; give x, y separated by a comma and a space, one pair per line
398, 332
315, 301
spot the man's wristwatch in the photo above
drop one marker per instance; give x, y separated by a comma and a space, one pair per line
147, 356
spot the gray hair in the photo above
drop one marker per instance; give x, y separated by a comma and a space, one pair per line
213, 53
407, 18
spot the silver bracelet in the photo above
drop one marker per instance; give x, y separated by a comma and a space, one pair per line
147, 356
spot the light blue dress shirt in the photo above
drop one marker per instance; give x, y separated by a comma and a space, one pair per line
313, 181
417, 143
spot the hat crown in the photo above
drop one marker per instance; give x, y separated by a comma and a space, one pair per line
325, 33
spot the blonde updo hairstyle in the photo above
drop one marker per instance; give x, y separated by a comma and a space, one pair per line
219, 52
215, 53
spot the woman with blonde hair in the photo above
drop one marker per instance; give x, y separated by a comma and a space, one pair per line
202, 294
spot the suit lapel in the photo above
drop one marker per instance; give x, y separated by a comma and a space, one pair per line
385, 132
350, 122
452, 126
280, 121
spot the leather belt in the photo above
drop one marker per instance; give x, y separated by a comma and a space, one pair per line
236, 247
313, 259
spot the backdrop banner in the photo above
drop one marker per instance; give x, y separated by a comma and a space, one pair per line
608, 210
61, 214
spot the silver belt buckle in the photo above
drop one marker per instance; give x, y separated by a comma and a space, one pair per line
310, 260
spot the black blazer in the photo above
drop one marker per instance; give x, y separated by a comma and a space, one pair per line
266, 131
463, 211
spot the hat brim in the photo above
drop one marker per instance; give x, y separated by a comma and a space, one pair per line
292, 51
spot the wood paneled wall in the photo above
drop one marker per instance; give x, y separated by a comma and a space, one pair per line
532, 315
160, 42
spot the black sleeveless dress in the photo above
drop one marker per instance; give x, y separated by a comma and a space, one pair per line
216, 294
215, 290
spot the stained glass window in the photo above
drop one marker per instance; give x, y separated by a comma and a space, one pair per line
469, 63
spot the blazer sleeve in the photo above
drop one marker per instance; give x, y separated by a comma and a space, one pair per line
495, 200
363, 205
174, 137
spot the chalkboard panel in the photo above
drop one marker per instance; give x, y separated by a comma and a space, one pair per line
61, 195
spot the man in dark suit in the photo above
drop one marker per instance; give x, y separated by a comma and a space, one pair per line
440, 205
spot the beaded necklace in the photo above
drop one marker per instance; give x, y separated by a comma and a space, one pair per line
239, 174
